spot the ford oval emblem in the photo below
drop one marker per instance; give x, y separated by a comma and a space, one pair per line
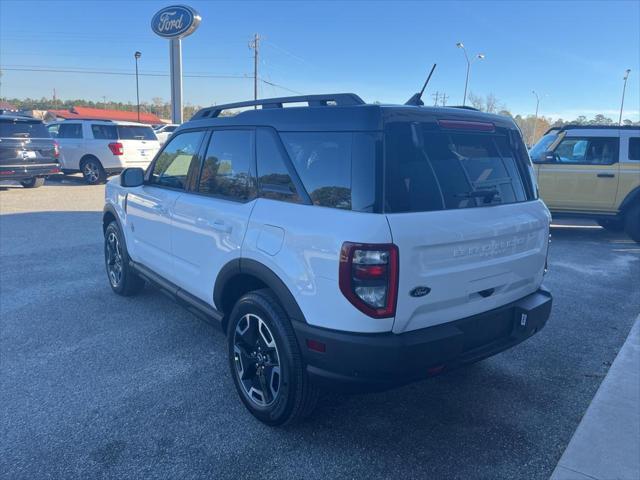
176, 21
419, 291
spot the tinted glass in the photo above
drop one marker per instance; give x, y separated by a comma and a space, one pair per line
70, 130
104, 132
131, 132
273, 176
172, 166
429, 169
226, 166
323, 162
23, 129
542, 146
634, 148
596, 150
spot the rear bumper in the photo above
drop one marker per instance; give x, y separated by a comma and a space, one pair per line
360, 362
23, 172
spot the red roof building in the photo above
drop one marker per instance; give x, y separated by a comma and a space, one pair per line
88, 113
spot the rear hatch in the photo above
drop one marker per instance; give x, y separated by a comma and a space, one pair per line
139, 144
25, 142
461, 206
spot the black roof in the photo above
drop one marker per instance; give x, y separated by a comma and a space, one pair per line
330, 112
576, 126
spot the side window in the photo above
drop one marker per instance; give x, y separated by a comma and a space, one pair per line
323, 162
634, 148
104, 132
595, 150
70, 130
571, 150
172, 166
602, 151
273, 177
226, 167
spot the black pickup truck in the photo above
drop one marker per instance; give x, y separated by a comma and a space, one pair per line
28, 154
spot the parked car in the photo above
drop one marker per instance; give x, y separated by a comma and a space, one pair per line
592, 172
28, 154
99, 148
163, 132
340, 245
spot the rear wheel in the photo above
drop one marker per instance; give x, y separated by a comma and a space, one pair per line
34, 182
93, 171
612, 225
265, 361
632, 223
122, 278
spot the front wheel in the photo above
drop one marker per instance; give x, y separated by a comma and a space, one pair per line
34, 182
265, 361
122, 278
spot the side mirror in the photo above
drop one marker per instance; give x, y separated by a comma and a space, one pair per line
132, 177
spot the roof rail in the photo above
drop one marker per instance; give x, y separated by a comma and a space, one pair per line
310, 100
466, 107
584, 126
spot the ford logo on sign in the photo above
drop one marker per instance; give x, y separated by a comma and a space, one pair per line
176, 21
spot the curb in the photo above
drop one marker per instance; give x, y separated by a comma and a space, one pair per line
606, 444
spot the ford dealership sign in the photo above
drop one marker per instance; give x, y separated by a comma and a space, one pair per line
176, 21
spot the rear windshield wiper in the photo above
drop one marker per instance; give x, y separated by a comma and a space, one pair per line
486, 194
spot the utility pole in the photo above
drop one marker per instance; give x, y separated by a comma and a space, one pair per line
255, 45
137, 56
626, 76
104, 102
436, 97
54, 96
444, 99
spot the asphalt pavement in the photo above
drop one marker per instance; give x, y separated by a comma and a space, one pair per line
93, 385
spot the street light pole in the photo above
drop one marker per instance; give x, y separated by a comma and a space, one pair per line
479, 56
626, 76
535, 119
137, 55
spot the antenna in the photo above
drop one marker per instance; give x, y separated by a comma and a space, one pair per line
417, 98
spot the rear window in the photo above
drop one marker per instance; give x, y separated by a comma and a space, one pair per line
430, 169
134, 132
23, 129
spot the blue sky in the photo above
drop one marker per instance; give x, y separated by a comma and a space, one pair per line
573, 52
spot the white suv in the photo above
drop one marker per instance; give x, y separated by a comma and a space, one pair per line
163, 132
98, 148
340, 245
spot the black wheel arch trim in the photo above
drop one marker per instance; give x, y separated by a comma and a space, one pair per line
263, 273
108, 208
632, 197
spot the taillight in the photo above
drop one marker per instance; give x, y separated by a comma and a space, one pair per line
116, 148
56, 149
369, 277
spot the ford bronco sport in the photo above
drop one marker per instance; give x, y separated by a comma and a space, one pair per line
592, 172
339, 244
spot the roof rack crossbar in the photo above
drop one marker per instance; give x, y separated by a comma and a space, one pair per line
310, 100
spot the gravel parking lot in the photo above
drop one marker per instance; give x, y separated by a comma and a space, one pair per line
94, 385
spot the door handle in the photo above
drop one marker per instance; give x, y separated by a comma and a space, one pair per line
606, 175
218, 225
160, 209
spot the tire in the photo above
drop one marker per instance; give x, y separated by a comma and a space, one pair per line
34, 182
612, 225
632, 222
262, 343
123, 280
92, 171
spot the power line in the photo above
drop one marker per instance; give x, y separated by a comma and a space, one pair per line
105, 72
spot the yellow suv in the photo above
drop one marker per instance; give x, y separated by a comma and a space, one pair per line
592, 172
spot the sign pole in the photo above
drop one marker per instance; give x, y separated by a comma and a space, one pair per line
175, 52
